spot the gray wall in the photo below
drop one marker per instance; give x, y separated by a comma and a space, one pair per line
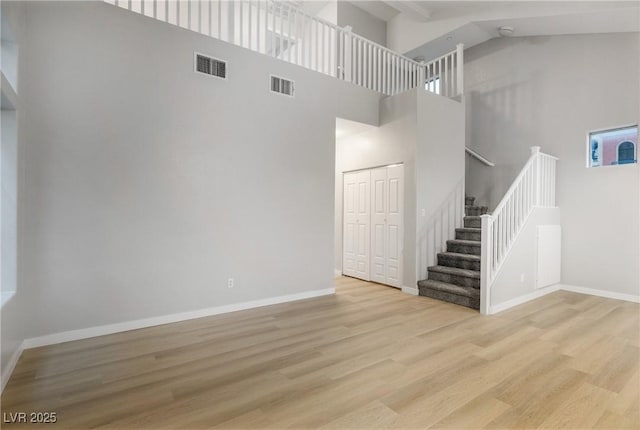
148, 185
17, 312
393, 142
549, 91
363, 23
440, 167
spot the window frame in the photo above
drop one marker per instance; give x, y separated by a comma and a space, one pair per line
589, 138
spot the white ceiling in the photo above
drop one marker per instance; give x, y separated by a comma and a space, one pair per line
379, 9
435, 27
534, 19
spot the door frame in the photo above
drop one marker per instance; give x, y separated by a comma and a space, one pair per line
342, 206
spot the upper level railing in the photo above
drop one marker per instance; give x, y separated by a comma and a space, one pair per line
283, 31
535, 186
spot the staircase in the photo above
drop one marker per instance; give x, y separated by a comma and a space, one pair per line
456, 278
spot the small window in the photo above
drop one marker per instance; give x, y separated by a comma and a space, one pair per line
433, 85
613, 146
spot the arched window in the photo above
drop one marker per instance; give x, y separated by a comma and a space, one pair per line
626, 153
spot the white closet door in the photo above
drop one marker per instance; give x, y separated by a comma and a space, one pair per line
349, 225
356, 225
379, 197
394, 224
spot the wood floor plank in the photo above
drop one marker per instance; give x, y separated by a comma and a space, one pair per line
368, 357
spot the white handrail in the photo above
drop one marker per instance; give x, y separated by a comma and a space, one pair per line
479, 157
383, 48
535, 186
285, 32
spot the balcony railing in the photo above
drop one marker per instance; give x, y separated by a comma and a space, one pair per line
282, 31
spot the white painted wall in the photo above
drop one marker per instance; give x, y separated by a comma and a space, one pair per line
392, 142
516, 278
148, 185
426, 133
17, 313
440, 166
549, 91
362, 22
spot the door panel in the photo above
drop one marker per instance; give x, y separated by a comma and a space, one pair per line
373, 224
356, 222
363, 221
378, 224
395, 231
349, 242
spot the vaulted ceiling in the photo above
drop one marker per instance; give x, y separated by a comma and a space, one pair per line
430, 28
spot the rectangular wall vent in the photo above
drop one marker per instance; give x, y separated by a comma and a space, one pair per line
281, 85
211, 66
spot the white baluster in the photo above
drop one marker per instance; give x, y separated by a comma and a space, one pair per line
250, 24
289, 38
486, 246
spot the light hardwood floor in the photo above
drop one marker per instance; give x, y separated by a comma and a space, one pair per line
369, 357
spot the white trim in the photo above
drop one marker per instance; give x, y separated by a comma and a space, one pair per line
399, 163
68, 336
411, 290
494, 309
600, 293
13, 360
337, 273
571, 288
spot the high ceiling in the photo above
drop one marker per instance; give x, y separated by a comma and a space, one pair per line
430, 28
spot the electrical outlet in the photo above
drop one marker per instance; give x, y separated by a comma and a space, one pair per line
230, 283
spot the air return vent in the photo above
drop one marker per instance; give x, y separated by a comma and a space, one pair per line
282, 86
211, 66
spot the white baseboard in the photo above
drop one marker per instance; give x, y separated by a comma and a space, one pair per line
575, 289
600, 293
494, 309
337, 273
85, 333
13, 360
410, 290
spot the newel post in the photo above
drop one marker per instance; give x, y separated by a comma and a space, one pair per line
422, 74
460, 69
348, 42
485, 263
